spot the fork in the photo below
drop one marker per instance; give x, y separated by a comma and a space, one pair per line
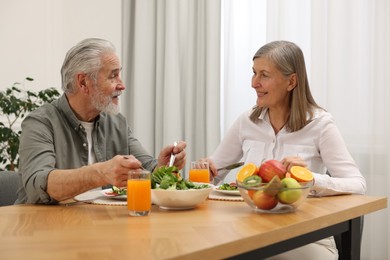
172, 159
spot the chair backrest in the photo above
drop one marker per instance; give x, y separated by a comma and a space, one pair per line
9, 184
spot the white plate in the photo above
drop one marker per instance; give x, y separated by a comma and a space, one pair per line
108, 193
228, 192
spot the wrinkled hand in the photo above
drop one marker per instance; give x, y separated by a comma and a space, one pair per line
179, 152
115, 171
291, 161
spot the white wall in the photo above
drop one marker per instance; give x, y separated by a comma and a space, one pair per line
36, 34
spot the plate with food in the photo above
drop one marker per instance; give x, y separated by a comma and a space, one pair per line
228, 189
115, 193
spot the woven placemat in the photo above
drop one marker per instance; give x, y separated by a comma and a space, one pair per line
97, 197
215, 195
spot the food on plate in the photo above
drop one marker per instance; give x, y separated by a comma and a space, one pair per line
301, 174
248, 169
228, 186
229, 189
169, 178
116, 191
270, 168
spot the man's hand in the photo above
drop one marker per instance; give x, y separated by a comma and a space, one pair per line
115, 171
178, 151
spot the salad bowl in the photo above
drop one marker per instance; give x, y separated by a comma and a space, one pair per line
180, 199
171, 191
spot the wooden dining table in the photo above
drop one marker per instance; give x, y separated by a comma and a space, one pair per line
212, 230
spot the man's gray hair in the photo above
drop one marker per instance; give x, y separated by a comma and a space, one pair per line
85, 57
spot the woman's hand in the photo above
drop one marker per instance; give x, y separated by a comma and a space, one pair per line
212, 167
291, 161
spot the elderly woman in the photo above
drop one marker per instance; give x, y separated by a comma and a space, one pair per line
287, 125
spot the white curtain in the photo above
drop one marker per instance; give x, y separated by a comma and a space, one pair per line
347, 49
171, 67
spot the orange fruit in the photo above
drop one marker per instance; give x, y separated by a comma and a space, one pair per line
301, 174
248, 169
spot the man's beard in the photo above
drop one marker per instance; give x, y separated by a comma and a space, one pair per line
104, 103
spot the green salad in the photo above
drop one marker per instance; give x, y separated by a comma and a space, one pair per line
228, 186
169, 178
119, 191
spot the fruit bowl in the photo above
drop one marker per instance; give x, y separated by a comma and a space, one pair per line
274, 198
180, 199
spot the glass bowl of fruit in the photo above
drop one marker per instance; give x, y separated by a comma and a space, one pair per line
282, 193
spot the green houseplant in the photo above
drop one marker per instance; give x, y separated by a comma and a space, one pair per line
15, 103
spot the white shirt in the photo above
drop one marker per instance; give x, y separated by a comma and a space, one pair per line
319, 143
88, 126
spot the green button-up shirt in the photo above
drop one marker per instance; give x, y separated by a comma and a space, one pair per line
53, 138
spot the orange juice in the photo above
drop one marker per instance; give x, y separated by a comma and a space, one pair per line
199, 175
139, 195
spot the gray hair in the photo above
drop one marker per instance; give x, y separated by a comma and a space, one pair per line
85, 57
286, 56
288, 59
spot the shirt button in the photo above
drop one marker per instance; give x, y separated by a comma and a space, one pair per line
84, 144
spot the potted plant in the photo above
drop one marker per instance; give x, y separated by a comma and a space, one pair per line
15, 103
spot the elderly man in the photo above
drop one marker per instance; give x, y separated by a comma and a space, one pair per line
81, 141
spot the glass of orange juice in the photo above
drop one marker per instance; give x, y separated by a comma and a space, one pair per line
199, 172
139, 192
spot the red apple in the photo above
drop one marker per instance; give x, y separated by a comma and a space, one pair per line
270, 168
264, 201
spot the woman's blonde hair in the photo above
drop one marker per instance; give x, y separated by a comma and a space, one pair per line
288, 59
